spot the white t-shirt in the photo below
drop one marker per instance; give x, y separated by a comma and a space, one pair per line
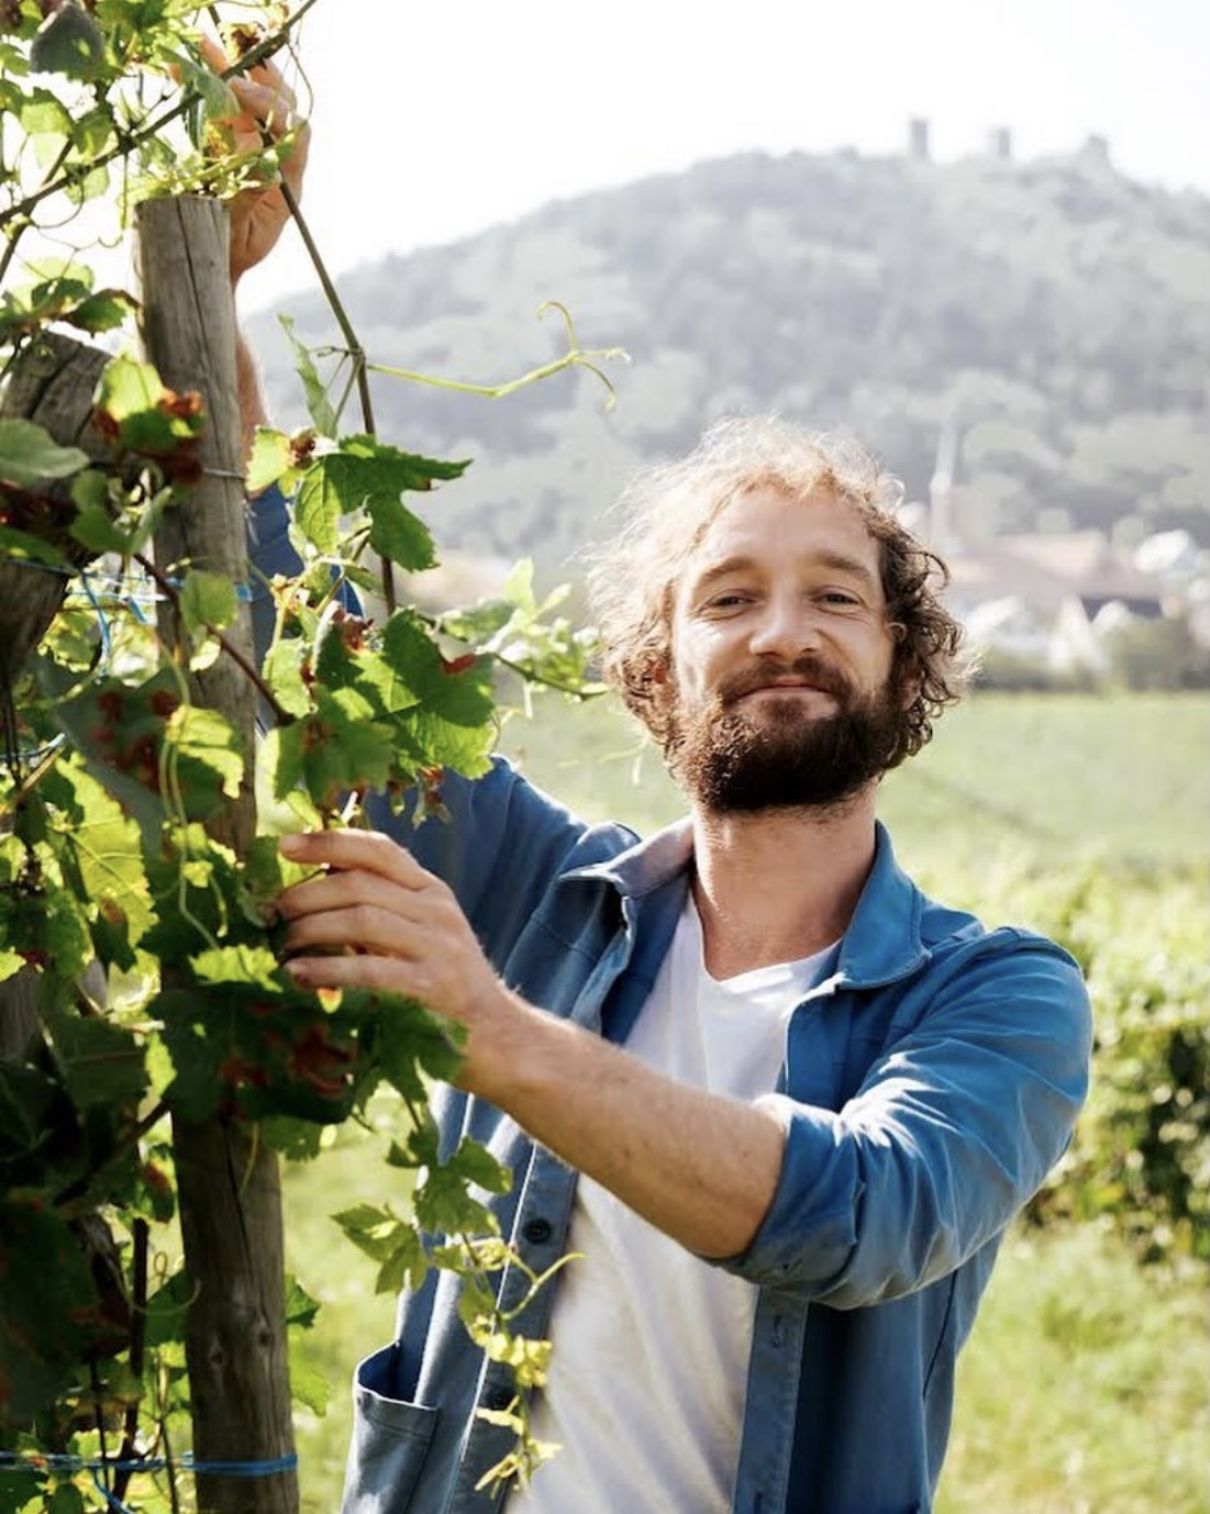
646, 1391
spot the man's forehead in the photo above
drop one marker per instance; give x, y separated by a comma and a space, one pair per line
770, 523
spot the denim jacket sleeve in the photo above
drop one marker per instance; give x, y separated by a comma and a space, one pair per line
505, 839
504, 843
953, 1128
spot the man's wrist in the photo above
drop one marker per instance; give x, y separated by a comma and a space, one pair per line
506, 1040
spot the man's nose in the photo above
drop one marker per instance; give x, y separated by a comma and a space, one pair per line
786, 629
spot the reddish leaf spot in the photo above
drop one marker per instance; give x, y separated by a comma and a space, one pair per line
456, 665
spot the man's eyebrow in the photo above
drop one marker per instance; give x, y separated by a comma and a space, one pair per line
729, 565
841, 562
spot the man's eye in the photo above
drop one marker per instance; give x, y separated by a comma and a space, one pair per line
839, 599
727, 601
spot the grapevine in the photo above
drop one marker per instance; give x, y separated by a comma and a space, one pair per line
140, 981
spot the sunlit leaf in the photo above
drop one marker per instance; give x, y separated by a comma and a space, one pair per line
29, 454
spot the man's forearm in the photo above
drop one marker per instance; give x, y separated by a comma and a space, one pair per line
252, 411
699, 1167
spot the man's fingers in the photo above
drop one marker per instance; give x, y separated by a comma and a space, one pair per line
343, 890
383, 974
270, 107
213, 54
346, 850
366, 926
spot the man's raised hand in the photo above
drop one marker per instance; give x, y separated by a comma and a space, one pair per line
407, 934
267, 107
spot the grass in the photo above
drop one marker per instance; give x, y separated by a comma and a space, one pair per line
1007, 777
1083, 1388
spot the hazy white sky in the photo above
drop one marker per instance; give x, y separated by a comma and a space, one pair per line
434, 120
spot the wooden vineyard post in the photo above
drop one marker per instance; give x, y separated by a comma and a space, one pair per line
229, 1185
51, 384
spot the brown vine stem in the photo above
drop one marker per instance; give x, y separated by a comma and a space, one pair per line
353, 345
355, 350
30, 782
282, 716
140, 1237
272, 44
19, 230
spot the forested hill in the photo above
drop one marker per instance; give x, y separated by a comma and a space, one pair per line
1060, 311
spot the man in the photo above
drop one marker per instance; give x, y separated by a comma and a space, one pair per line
783, 1103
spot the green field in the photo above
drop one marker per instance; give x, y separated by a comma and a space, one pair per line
1083, 1390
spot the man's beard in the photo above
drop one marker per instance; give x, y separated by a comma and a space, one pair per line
786, 757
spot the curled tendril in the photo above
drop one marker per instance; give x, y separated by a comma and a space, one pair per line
575, 357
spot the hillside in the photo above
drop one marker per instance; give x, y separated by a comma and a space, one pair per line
1060, 311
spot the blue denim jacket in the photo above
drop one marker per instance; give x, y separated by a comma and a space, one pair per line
930, 1083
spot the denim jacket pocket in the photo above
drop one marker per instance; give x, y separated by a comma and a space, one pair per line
389, 1443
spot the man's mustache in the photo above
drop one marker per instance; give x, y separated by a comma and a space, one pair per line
806, 668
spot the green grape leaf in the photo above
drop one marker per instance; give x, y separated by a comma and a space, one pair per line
134, 404
48, 1304
444, 1207
317, 510
102, 1063
283, 673
406, 1265
388, 1240
399, 535
211, 763
296, 1140
410, 469
218, 101
278, 459
31, 1103
69, 42
107, 309
477, 1165
339, 748
308, 1385
105, 845
268, 460
128, 388
254, 965
30, 455
443, 711
301, 1308
318, 405
21, 545
411, 1041
456, 693
207, 601
367, 474
43, 116
64, 936
97, 530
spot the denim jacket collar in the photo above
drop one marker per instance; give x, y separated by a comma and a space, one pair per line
882, 944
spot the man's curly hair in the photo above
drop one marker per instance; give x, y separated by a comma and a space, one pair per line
667, 511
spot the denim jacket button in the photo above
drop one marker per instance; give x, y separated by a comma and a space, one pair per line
537, 1232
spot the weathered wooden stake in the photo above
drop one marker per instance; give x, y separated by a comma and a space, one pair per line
52, 384
229, 1186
